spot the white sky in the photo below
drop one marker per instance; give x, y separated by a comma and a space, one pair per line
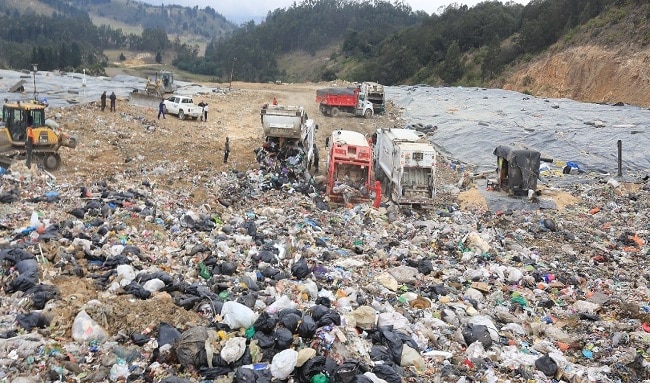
241, 11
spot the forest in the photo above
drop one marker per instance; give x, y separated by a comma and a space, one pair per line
378, 40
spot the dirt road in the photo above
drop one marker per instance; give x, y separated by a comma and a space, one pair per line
134, 141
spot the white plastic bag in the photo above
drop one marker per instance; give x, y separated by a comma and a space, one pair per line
236, 315
85, 329
283, 364
233, 349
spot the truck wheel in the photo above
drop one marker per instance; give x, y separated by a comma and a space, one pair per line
335, 112
181, 115
51, 161
367, 114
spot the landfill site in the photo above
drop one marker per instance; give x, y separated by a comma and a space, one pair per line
145, 258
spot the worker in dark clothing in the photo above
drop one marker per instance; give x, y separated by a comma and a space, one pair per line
29, 144
161, 109
103, 101
316, 159
226, 151
113, 97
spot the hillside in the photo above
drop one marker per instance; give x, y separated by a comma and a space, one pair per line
603, 61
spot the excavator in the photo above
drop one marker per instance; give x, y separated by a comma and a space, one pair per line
13, 134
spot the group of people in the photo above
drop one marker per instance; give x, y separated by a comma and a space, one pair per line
112, 97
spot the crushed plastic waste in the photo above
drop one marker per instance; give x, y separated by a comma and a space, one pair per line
116, 282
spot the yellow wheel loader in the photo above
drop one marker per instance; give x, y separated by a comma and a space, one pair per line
16, 117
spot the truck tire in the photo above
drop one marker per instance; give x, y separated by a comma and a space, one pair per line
334, 112
181, 115
51, 161
367, 114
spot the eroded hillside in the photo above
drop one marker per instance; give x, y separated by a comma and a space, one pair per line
588, 73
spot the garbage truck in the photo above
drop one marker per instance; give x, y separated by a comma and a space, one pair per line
349, 99
405, 164
349, 167
288, 134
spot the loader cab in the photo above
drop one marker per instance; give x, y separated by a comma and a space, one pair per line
17, 117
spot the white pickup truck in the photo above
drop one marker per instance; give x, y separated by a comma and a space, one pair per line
183, 106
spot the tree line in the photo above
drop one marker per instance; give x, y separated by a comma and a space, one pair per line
373, 40
389, 43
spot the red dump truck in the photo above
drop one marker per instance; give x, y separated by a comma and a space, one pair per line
349, 100
349, 167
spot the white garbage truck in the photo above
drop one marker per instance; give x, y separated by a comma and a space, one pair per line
289, 134
405, 164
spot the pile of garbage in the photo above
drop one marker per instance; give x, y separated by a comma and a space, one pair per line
126, 281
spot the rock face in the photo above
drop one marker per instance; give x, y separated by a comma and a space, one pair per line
588, 73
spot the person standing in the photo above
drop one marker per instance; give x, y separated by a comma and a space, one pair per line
205, 113
103, 101
161, 109
202, 105
275, 101
29, 145
226, 150
113, 97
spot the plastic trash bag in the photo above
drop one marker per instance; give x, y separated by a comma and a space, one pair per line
547, 365
236, 315
283, 364
307, 327
258, 373
266, 322
348, 371
477, 333
314, 366
264, 340
283, 338
27, 276
32, 320
300, 269
290, 321
386, 372
167, 334
233, 349
85, 329
190, 347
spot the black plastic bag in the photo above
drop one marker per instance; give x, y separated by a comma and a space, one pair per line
307, 327
547, 365
381, 353
283, 339
264, 340
330, 318
265, 322
316, 365
27, 276
32, 320
317, 311
167, 334
290, 322
387, 372
248, 375
214, 372
300, 269
348, 371
41, 294
134, 288
140, 339
477, 332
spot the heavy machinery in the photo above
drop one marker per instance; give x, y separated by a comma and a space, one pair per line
349, 100
405, 164
349, 167
289, 136
156, 88
13, 134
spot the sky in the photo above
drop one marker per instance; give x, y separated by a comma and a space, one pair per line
240, 11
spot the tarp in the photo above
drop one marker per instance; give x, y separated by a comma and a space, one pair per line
471, 122
522, 168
